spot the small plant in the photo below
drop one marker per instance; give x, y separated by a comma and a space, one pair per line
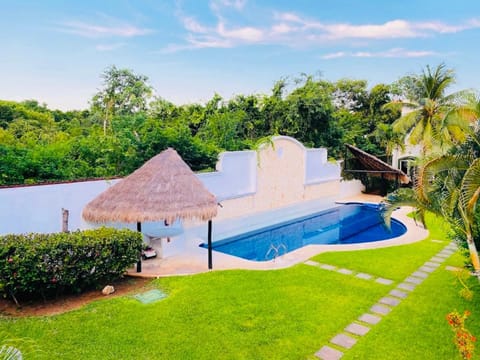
463, 339
462, 277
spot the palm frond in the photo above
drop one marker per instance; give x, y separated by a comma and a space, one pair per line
470, 188
401, 197
435, 82
405, 124
458, 98
416, 134
429, 171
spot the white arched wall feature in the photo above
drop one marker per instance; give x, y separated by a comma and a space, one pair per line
285, 173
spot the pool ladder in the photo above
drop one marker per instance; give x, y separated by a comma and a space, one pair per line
275, 250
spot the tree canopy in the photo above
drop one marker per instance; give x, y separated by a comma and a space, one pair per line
126, 125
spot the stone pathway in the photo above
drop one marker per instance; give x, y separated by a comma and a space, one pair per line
360, 327
344, 271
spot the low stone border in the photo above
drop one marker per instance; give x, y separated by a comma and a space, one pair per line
360, 327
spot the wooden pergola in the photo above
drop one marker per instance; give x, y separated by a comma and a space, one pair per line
162, 189
373, 166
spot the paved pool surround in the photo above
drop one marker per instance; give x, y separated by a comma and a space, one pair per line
183, 255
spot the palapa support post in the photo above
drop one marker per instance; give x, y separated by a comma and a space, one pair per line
210, 265
139, 262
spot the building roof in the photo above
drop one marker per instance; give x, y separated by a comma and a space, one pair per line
376, 167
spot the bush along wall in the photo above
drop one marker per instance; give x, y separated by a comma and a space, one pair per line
47, 265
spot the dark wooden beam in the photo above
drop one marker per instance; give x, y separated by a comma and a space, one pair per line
210, 265
139, 262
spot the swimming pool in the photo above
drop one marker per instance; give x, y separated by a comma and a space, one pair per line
344, 224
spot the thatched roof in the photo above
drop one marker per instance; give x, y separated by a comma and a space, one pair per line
376, 167
164, 188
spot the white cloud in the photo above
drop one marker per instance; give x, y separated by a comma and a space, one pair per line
391, 53
395, 29
286, 16
109, 47
248, 34
283, 28
236, 4
334, 55
208, 42
192, 25
91, 30
293, 30
388, 30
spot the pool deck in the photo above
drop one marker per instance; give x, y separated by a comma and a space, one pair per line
193, 259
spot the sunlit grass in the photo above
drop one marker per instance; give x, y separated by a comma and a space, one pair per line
283, 314
417, 329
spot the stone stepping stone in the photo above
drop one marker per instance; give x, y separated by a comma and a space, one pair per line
420, 274
345, 271
384, 281
431, 264
451, 246
311, 263
380, 309
364, 276
328, 267
427, 269
437, 259
446, 252
414, 280
398, 293
389, 301
370, 319
357, 329
437, 241
452, 268
344, 341
407, 286
443, 255
328, 353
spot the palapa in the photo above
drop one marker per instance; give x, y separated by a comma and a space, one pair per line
376, 167
164, 188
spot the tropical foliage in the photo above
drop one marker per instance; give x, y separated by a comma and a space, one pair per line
449, 185
126, 125
49, 264
428, 119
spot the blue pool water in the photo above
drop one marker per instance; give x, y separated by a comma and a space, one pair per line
345, 224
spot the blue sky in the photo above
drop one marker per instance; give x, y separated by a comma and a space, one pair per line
54, 51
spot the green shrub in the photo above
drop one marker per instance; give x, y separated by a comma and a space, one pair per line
50, 264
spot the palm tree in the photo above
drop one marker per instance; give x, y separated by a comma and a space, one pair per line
429, 122
449, 186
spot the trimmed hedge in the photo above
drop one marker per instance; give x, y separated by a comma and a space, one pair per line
50, 264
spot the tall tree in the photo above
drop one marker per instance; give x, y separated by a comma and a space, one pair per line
123, 93
449, 186
427, 121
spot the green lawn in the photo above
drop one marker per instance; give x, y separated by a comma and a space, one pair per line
283, 314
417, 329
